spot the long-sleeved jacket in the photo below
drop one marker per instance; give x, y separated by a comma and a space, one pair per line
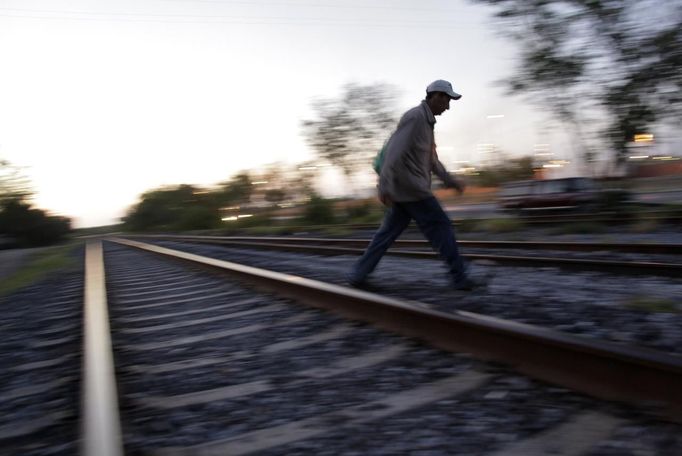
411, 157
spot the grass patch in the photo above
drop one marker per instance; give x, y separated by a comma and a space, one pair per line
40, 265
265, 230
372, 217
652, 304
645, 226
578, 228
337, 231
466, 225
503, 225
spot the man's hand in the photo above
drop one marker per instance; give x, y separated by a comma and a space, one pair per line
385, 200
459, 186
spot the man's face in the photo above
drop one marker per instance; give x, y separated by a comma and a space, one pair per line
441, 103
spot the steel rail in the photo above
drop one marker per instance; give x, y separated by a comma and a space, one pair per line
544, 215
100, 420
650, 248
600, 218
532, 219
604, 369
574, 264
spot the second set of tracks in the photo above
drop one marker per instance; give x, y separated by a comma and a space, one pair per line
651, 256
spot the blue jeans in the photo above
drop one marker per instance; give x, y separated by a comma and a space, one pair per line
432, 222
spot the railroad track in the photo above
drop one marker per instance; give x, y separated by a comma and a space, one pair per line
604, 217
611, 217
644, 248
420, 250
209, 365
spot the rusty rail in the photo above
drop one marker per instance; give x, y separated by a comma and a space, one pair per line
603, 369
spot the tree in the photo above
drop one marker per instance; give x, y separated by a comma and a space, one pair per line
237, 190
22, 224
13, 185
301, 181
182, 207
617, 59
29, 227
511, 170
275, 195
349, 130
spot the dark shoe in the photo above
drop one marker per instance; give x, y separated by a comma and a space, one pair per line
353, 282
468, 284
361, 285
356, 284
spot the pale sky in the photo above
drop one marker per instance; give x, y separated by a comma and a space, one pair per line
103, 100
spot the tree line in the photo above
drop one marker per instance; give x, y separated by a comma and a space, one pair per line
192, 207
21, 224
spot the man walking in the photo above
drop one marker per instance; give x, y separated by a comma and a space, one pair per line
405, 187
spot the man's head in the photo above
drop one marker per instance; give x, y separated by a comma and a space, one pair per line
438, 96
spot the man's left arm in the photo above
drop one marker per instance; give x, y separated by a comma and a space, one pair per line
439, 170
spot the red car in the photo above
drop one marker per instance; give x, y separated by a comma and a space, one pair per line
566, 193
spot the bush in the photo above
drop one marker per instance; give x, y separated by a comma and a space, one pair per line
319, 211
358, 211
365, 213
197, 218
29, 227
257, 220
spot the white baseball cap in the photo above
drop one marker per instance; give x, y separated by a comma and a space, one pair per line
443, 86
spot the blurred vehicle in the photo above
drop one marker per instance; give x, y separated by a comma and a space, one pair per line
555, 194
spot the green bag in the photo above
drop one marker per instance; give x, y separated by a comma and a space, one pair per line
379, 159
